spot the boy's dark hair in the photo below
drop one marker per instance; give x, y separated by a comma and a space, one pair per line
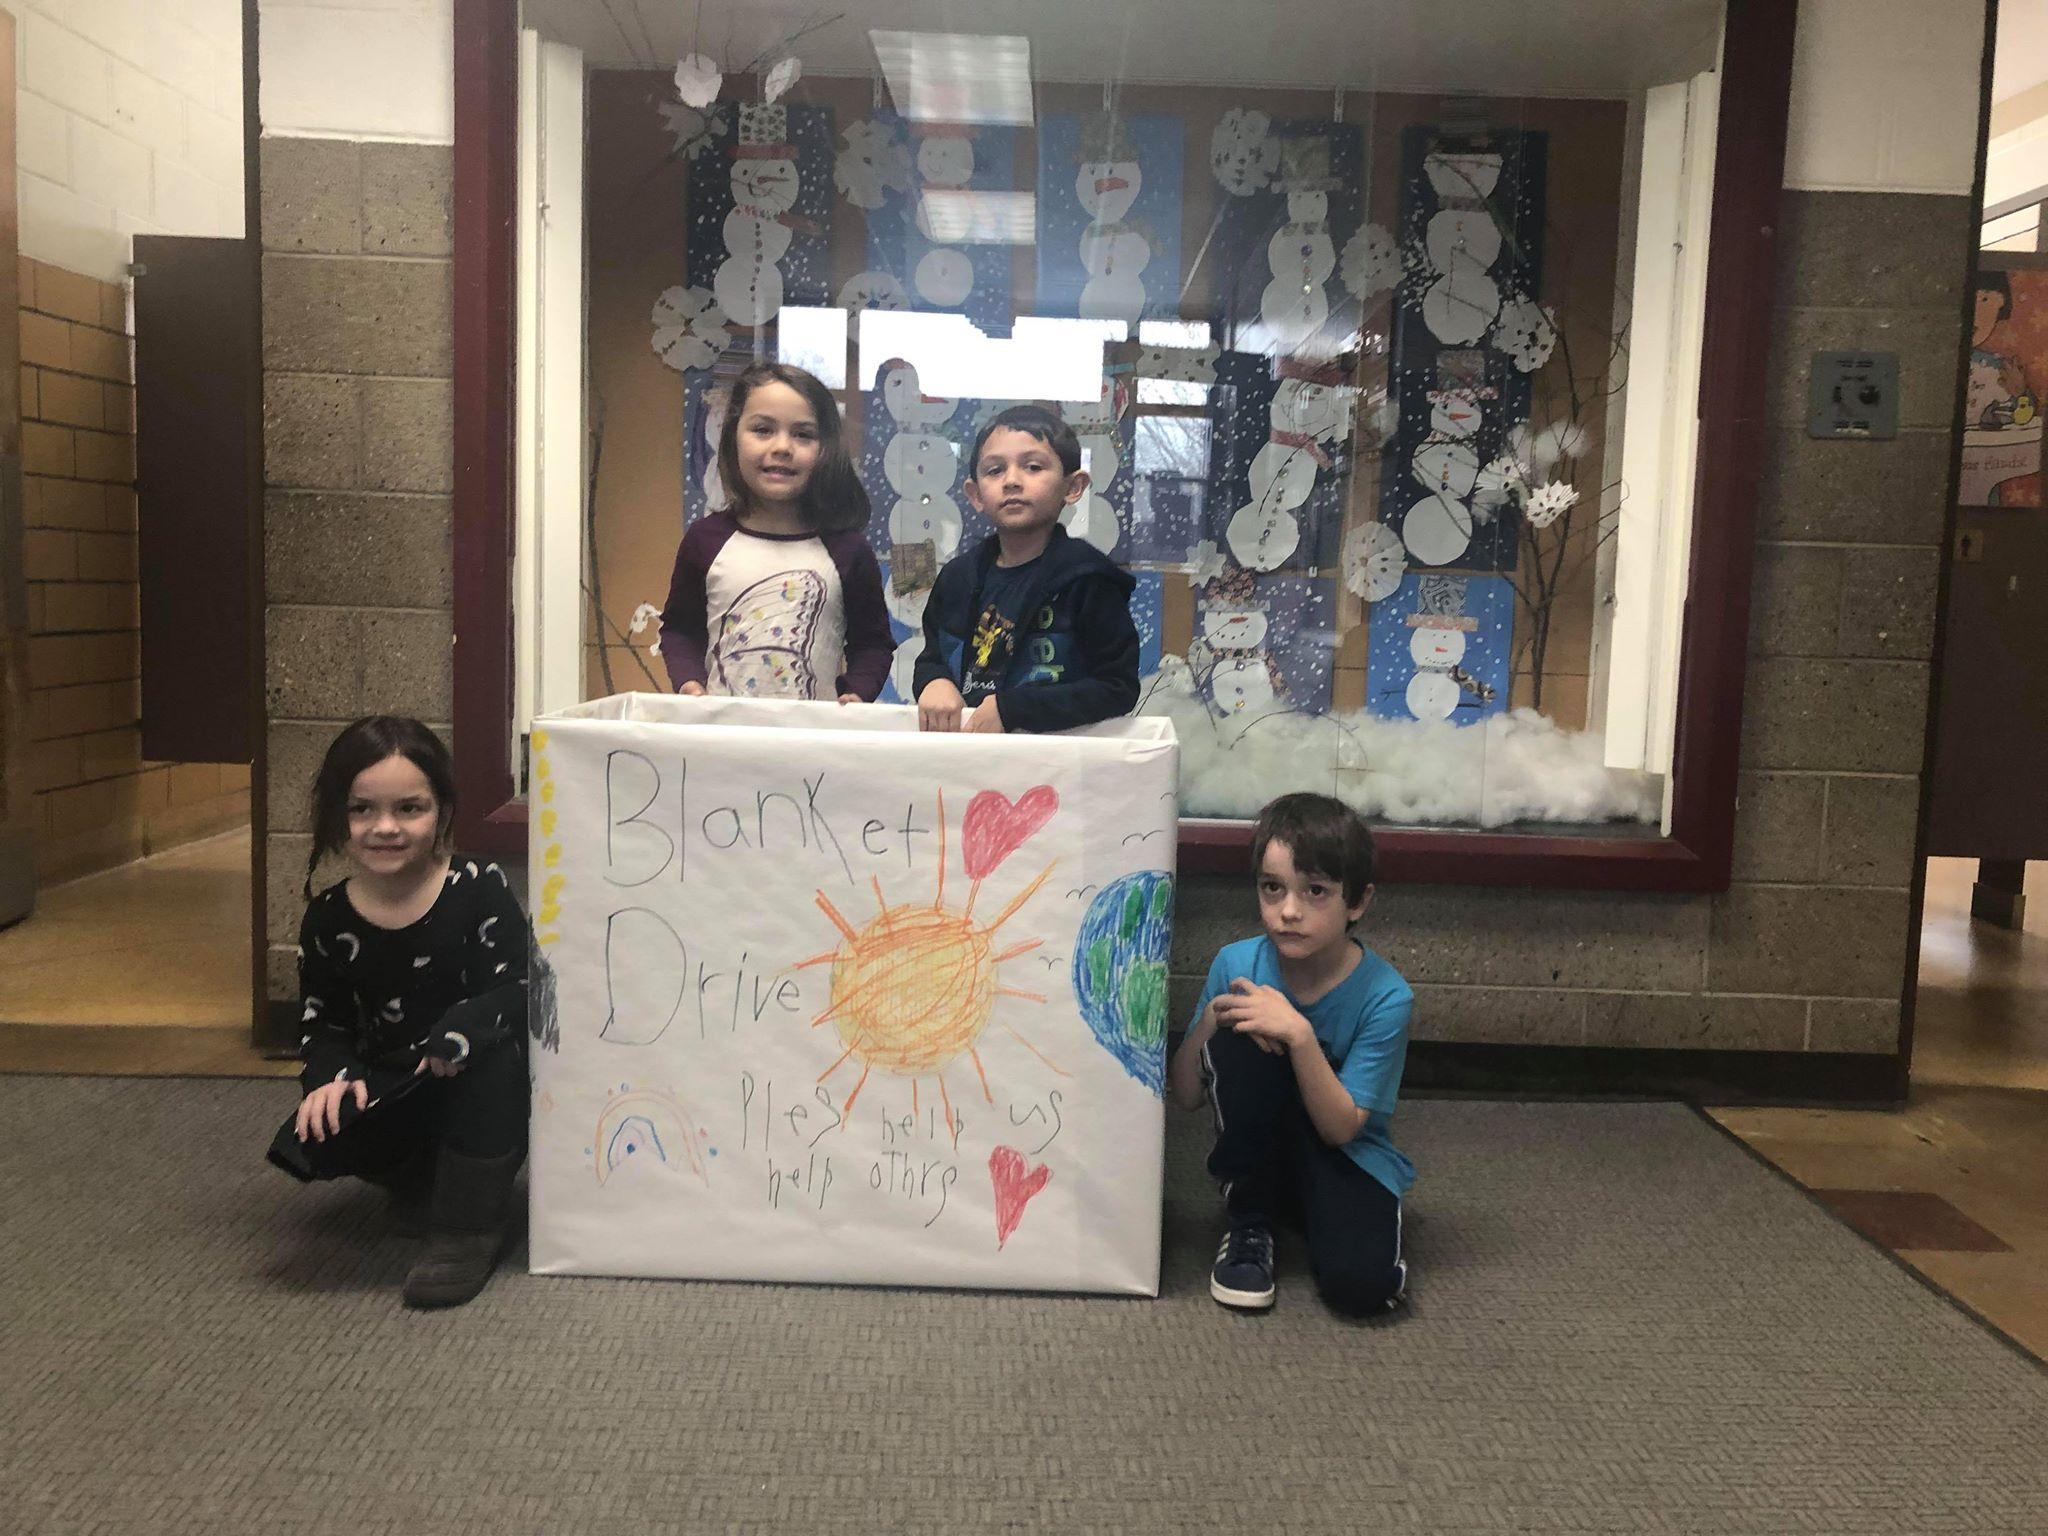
1039, 423
834, 501
365, 744
1323, 835
2000, 284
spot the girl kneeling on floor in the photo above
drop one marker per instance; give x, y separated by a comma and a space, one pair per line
412, 981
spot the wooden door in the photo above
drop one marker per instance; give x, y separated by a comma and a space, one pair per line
198, 467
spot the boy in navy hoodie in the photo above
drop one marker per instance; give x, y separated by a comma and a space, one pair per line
1029, 630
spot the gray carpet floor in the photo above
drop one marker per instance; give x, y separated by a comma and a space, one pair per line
1619, 1322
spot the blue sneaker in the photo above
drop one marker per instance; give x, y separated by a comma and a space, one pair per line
1243, 1276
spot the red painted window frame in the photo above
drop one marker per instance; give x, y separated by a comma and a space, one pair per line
1750, 154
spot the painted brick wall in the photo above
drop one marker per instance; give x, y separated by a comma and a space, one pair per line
98, 803
358, 464
129, 117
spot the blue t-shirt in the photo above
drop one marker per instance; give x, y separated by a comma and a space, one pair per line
1362, 1025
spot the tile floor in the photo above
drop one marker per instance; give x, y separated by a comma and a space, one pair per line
141, 970
1972, 1138
145, 971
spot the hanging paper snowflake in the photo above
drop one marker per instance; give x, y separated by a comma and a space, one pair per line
1374, 561
871, 290
689, 328
1526, 332
1547, 503
872, 162
780, 79
692, 128
1559, 440
643, 616
1371, 262
1243, 152
1498, 483
698, 80
1204, 563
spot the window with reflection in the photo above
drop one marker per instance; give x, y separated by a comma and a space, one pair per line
1380, 333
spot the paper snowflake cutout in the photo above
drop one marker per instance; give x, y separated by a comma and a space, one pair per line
1187, 365
1242, 151
871, 290
1371, 262
1526, 332
1374, 561
780, 79
1559, 440
643, 616
698, 80
1547, 503
692, 128
689, 328
1205, 563
872, 162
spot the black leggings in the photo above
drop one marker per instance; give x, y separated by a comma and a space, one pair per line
479, 1112
1274, 1166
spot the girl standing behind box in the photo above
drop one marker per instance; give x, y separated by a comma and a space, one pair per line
412, 983
780, 597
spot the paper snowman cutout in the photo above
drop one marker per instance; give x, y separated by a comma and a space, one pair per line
1436, 644
748, 283
1114, 254
908, 406
1237, 674
945, 159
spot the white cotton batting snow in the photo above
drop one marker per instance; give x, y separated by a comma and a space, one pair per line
1511, 767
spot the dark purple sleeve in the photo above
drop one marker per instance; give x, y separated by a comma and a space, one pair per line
685, 635
870, 646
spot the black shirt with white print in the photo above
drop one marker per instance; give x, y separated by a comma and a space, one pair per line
373, 1002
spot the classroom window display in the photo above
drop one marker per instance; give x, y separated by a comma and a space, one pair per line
1343, 322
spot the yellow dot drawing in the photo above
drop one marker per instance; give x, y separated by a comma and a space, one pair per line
913, 990
549, 909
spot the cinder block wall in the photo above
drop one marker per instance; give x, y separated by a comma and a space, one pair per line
358, 464
98, 803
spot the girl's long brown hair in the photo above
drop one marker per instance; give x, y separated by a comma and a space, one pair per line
834, 501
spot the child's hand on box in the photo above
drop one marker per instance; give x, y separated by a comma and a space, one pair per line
1264, 1014
986, 718
939, 706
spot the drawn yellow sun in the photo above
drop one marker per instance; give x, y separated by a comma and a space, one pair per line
914, 989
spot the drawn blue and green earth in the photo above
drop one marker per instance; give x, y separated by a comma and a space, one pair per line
1120, 971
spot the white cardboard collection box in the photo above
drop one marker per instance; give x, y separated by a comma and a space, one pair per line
826, 999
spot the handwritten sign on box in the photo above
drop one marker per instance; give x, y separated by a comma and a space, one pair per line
824, 999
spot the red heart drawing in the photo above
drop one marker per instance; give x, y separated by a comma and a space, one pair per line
1014, 1188
993, 828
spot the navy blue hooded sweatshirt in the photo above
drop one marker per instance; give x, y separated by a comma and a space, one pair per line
1055, 645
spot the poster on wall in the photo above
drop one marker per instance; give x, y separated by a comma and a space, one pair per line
1109, 206
2001, 462
1440, 649
759, 213
1471, 238
832, 1004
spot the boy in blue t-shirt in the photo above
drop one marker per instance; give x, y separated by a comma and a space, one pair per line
1301, 1038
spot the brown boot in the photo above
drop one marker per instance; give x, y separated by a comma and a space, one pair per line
472, 1205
